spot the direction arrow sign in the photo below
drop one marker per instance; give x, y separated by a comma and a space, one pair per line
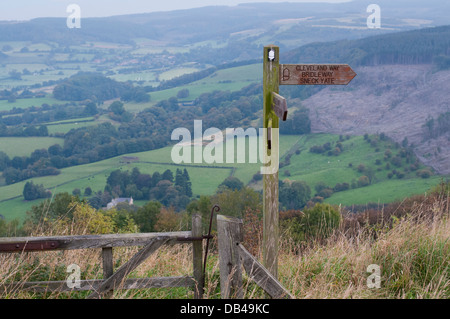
279, 106
316, 74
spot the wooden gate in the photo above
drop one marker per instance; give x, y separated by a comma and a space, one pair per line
232, 257
102, 288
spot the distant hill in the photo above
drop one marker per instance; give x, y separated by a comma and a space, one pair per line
410, 47
286, 24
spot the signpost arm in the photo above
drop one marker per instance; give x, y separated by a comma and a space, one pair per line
270, 193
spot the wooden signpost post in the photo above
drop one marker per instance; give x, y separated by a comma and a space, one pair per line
275, 108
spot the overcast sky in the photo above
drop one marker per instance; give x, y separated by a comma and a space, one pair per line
29, 9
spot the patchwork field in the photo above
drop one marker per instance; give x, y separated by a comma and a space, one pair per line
205, 178
232, 79
24, 146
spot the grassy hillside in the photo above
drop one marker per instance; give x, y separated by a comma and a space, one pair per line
232, 79
24, 146
306, 166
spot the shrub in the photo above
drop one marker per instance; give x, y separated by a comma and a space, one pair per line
232, 183
363, 181
424, 173
320, 221
361, 168
341, 187
257, 177
316, 223
325, 193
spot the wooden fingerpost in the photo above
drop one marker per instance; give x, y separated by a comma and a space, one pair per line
229, 235
197, 247
270, 177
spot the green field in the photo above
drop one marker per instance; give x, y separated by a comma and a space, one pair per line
67, 125
64, 128
306, 166
313, 168
26, 103
24, 146
384, 192
173, 73
205, 179
232, 79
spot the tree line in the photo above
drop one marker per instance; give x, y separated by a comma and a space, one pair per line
163, 187
424, 46
150, 129
97, 87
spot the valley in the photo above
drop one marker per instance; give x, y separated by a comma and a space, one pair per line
214, 74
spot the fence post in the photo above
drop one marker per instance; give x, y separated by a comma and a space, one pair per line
108, 268
271, 67
229, 232
197, 247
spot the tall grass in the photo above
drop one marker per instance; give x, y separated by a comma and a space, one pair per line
412, 250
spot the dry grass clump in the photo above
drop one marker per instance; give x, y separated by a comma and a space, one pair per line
412, 251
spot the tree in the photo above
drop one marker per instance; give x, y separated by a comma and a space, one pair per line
167, 175
61, 205
167, 220
117, 108
32, 191
12, 98
188, 184
88, 191
183, 93
15, 75
91, 109
7, 48
405, 142
11, 175
297, 123
295, 195
4, 160
235, 202
320, 186
232, 183
146, 216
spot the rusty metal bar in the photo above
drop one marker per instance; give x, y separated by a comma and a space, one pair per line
29, 246
189, 239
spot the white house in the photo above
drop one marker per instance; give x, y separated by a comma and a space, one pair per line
116, 201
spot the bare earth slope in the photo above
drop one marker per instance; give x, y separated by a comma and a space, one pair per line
394, 99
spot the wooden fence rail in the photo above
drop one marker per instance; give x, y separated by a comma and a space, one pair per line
113, 280
233, 256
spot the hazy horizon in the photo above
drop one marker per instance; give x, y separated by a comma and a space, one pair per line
21, 10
